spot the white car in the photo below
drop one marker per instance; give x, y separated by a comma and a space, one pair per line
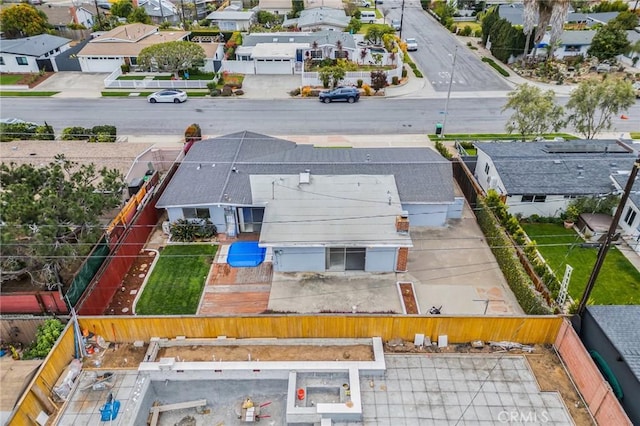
171, 95
412, 44
13, 120
396, 25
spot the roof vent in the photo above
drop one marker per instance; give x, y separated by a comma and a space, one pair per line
580, 167
557, 161
305, 177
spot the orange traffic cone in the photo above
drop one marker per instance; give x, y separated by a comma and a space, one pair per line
624, 117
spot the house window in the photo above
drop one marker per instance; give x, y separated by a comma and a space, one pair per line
316, 54
630, 216
341, 54
133, 60
196, 213
487, 168
534, 198
250, 218
1, 60
572, 48
22, 60
345, 258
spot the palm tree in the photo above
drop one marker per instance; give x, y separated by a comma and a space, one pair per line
545, 12
530, 19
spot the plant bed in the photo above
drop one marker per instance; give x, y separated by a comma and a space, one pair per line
407, 295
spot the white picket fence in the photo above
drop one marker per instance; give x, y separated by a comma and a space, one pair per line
112, 82
351, 78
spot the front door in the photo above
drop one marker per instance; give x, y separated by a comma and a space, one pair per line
250, 218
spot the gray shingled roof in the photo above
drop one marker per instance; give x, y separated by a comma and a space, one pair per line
577, 37
528, 167
33, 46
621, 324
319, 16
321, 37
513, 14
634, 197
207, 176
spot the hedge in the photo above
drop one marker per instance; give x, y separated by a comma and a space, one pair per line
505, 254
495, 66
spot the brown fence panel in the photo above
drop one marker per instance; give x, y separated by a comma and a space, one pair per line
529, 329
594, 389
21, 330
466, 181
32, 302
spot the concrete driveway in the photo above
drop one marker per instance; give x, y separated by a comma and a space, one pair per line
74, 84
451, 267
270, 86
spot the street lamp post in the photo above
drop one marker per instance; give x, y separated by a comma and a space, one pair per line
446, 105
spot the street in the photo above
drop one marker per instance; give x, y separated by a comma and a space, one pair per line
134, 116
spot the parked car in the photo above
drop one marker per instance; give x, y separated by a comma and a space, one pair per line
636, 88
379, 2
103, 4
349, 94
603, 67
364, 3
174, 95
13, 120
396, 25
412, 44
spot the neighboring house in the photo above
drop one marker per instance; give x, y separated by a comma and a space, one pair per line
160, 11
543, 177
277, 7
613, 332
632, 58
284, 52
31, 54
630, 219
321, 18
232, 20
123, 44
332, 4
514, 12
572, 43
314, 205
60, 17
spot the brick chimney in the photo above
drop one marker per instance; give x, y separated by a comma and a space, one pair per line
403, 257
402, 223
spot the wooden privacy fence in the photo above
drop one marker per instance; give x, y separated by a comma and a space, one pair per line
538, 329
525, 329
596, 392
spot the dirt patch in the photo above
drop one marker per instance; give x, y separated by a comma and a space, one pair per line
122, 302
270, 353
119, 355
32, 80
552, 376
408, 298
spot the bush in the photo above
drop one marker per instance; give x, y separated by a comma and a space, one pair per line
442, 149
378, 80
125, 68
17, 131
104, 133
76, 133
45, 132
453, 29
404, 72
495, 66
227, 90
239, 92
295, 92
184, 230
466, 32
395, 80
306, 91
478, 33
367, 89
215, 92
359, 83
46, 337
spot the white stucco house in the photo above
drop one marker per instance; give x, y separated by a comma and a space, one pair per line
31, 54
233, 20
277, 7
542, 178
310, 205
123, 44
160, 11
61, 16
630, 219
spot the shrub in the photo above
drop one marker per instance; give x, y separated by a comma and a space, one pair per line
193, 133
359, 83
215, 92
17, 131
104, 133
227, 90
495, 66
378, 80
395, 80
478, 33
442, 149
125, 68
295, 92
45, 132
306, 91
466, 31
404, 72
76, 133
46, 337
184, 230
239, 92
367, 89
453, 29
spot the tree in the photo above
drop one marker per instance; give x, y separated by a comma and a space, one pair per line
172, 56
613, 6
378, 80
139, 15
354, 25
593, 103
22, 20
609, 42
54, 217
626, 20
331, 75
376, 31
535, 112
268, 19
122, 8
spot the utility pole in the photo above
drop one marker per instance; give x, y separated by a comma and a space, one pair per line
401, 18
604, 248
446, 105
95, 2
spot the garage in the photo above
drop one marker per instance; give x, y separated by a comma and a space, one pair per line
274, 66
99, 64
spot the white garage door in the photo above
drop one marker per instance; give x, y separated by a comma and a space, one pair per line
273, 66
100, 65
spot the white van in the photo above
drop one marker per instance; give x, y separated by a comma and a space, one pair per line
367, 17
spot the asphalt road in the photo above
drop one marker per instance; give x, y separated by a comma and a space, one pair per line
436, 47
276, 117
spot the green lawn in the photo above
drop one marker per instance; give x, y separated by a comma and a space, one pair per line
618, 281
177, 280
635, 135
19, 94
494, 136
10, 78
131, 77
120, 93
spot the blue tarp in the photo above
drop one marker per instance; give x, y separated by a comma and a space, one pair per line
245, 254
